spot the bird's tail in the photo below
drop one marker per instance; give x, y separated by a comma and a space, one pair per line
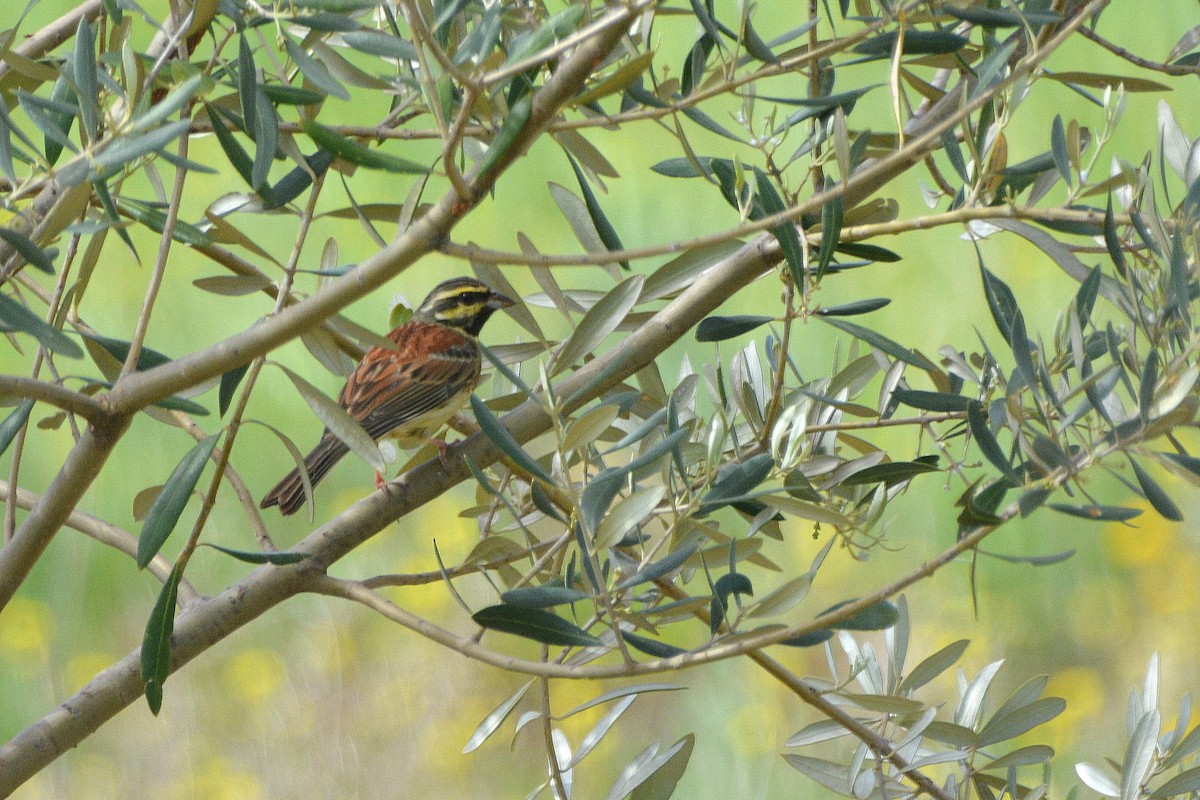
288, 494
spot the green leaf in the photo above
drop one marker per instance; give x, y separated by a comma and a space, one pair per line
933, 666
1112, 240
556, 27
1058, 148
13, 423
156, 220
933, 401
492, 721
378, 43
736, 482
314, 71
628, 514
717, 329
657, 569
652, 647
35, 256
1001, 728
513, 124
1155, 494
173, 102
338, 421
358, 153
598, 322
810, 639
1022, 354
127, 149
16, 317
831, 229
239, 159
1098, 513
229, 384
164, 513
282, 94
604, 229
542, 596
785, 233
883, 343
266, 140
1147, 385
1021, 757
119, 349
875, 617
534, 623
987, 442
1002, 18
855, 308
156, 641
1186, 782
1001, 301
664, 770
87, 88
915, 43
490, 425
277, 557
890, 473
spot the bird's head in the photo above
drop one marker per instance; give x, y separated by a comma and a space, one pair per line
462, 303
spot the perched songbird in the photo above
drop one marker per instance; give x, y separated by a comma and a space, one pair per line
409, 392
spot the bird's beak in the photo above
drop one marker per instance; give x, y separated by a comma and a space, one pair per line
498, 301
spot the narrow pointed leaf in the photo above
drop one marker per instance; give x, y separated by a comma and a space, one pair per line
492, 721
933, 666
657, 569
717, 329
164, 513
156, 641
129, 148
1112, 240
542, 596
338, 421
604, 229
1058, 148
490, 425
1013, 724
598, 322
785, 233
831, 229
534, 623
854, 309
16, 317
357, 153
1001, 301
883, 343
1098, 513
737, 482
13, 423
34, 256
933, 401
652, 647
276, 557
1158, 498
314, 71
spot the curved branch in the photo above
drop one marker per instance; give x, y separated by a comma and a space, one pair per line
55, 394
105, 533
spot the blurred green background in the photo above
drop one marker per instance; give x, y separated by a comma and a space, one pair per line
324, 699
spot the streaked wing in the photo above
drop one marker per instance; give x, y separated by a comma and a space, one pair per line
391, 388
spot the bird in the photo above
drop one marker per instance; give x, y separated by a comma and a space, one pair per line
409, 391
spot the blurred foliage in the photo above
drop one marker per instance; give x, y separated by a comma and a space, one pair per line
184, 195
